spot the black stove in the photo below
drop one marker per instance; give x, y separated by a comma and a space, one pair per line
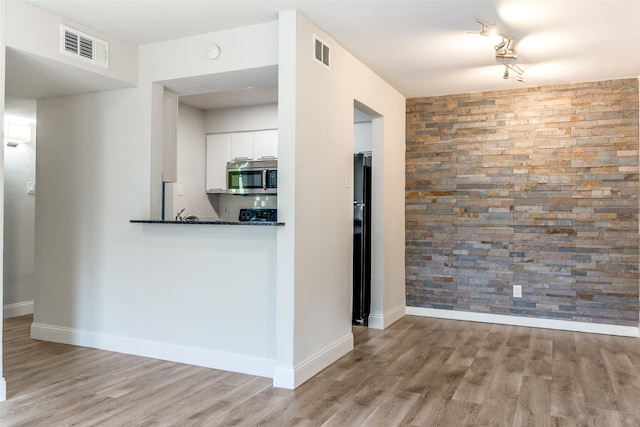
258, 214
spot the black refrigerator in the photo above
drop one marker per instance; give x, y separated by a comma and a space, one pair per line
361, 238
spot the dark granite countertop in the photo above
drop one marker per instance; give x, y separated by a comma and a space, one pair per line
250, 223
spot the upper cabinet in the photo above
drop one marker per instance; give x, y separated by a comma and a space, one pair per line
254, 145
242, 145
225, 147
265, 144
218, 154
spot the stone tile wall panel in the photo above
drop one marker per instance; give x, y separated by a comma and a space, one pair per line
536, 187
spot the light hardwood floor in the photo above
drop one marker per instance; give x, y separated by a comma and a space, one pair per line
419, 372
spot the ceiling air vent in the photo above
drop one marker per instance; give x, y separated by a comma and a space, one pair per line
321, 52
84, 46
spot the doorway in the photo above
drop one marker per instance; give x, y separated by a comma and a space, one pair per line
19, 206
362, 192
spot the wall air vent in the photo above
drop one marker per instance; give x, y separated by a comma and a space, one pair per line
83, 46
321, 52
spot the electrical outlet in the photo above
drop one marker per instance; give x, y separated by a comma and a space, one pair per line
517, 291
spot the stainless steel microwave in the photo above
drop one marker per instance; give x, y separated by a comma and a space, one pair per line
252, 177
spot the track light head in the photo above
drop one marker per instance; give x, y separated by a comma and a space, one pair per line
513, 67
504, 44
487, 29
506, 53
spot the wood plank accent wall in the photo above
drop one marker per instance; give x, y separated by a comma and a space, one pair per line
535, 187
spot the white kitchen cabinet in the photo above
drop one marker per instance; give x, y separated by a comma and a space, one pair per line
218, 154
225, 147
265, 143
242, 145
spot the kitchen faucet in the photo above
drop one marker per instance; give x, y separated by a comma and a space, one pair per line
190, 217
187, 218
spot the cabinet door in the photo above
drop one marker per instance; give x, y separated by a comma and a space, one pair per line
242, 145
265, 144
169, 137
218, 154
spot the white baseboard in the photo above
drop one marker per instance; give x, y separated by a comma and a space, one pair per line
17, 309
290, 378
233, 362
533, 322
377, 321
284, 377
3, 390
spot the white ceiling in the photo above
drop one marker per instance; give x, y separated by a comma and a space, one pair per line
422, 48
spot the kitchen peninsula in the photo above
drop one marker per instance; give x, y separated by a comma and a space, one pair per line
160, 221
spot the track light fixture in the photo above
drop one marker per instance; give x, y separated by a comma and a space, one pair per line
506, 54
504, 50
503, 44
487, 29
513, 67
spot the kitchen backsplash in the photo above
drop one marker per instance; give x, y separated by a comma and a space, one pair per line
230, 204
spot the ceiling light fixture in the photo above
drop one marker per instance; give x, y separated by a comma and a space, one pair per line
513, 67
488, 30
506, 54
503, 44
504, 50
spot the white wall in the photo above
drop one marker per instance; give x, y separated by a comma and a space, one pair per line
178, 292
191, 168
19, 211
3, 47
242, 48
166, 291
316, 200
